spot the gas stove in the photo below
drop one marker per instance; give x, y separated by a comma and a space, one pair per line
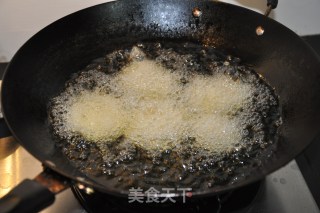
293, 188
282, 191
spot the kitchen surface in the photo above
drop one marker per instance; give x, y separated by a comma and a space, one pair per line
294, 188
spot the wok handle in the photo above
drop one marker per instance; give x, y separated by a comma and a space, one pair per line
31, 196
4, 130
28, 196
272, 3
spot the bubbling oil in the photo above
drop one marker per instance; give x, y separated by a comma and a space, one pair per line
165, 115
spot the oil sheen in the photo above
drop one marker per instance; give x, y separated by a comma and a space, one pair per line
165, 115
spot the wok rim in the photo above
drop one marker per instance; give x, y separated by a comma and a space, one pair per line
123, 193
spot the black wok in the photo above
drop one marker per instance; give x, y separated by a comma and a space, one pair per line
41, 67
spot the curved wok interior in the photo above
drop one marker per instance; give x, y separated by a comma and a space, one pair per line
41, 67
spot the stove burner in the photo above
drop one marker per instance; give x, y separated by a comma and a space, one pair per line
237, 200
